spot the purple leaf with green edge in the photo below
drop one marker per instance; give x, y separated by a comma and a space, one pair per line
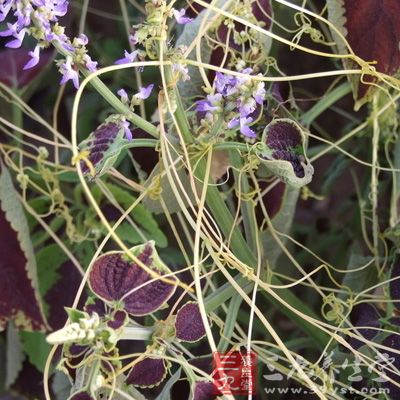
119, 319
204, 391
12, 72
364, 315
103, 146
373, 33
189, 325
19, 299
392, 361
94, 305
114, 275
284, 152
73, 350
394, 285
147, 373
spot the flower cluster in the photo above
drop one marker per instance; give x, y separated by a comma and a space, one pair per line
39, 18
236, 99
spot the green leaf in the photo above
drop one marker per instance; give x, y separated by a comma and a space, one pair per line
14, 356
48, 261
357, 279
140, 214
36, 347
159, 184
282, 222
128, 233
60, 385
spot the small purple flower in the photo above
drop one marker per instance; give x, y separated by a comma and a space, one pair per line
90, 64
183, 70
225, 84
81, 40
133, 39
180, 17
243, 123
34, 58
245, 129
15, 31
124, 96
209, 105
144, 92
128, 133
259, 93
69, 73
5, 9
129, 57
246, 106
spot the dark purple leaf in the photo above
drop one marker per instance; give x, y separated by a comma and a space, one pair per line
188, 324
147, 373
12, 64
62, 295
95, 306
19, 299
114, 275
281, 91
394, 286
373, 32
119, 319
204, 391
392, 361
84, 395
364, 315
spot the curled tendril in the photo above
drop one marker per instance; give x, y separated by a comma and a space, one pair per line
336, 308
155, 189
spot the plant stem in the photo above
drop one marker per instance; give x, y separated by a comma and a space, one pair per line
331, 98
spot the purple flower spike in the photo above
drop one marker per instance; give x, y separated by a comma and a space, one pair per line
147, 373
144, 92
189, 324
69, 73
34, 60
204, 391
128, 133
113, 276
180, 17
129, 57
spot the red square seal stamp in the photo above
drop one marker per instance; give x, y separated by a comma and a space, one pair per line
234, 372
